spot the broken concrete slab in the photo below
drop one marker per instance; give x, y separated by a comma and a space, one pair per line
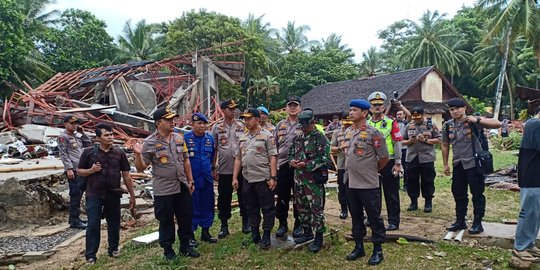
146, 240
37, 133
23, 171
33, 256
498, 234
8, 137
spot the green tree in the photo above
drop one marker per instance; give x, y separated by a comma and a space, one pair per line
14, 43
301, 71
294, 38
431, 43
196, 30
513, 18
262, 52
268, 87
79, 42
372, 62
333, 41
394, 40
139, 43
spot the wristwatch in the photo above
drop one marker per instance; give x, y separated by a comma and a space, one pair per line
273, 177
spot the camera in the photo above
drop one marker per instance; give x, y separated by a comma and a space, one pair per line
429, 123
394, 100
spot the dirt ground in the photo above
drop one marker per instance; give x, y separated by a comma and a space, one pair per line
72, 255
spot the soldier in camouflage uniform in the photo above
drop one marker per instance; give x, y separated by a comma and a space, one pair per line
308, 156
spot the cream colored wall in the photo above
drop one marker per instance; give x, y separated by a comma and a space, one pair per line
436, 119
432, 88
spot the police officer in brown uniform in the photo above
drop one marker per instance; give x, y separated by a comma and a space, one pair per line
256, 158
227, 133
421, 136
458, 133
338, 145
286, 131
70, 145
366, 156
172, 182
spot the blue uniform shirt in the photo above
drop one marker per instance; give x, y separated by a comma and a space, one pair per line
201, 155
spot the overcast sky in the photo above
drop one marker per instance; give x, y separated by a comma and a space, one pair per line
357, 25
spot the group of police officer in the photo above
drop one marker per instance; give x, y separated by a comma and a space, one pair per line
260, 161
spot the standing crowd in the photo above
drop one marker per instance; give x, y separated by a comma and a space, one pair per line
290, 161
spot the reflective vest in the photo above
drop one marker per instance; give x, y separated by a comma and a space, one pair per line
385, 127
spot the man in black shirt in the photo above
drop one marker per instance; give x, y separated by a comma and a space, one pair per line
104, 165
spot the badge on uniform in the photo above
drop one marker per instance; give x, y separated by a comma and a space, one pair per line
359, 151
363, 134
191, 154
377, 142
223, 141
158, 145
164, 160
74, 145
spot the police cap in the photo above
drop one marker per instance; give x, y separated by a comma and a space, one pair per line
456, 102
164, 113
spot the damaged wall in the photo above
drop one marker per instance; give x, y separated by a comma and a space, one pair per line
18, 204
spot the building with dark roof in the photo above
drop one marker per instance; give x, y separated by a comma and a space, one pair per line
425, 87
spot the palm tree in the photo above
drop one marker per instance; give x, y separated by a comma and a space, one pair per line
515, 17
138, 43
294, 38
431, 43
371, 63
333, 42
33, 69
270, 47
488, 59
269, 86
255, 86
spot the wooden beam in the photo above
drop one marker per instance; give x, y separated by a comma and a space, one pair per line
218, 70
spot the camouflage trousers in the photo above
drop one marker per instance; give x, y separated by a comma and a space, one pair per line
309, 201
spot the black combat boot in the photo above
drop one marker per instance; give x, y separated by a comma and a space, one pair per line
414, 204
344, 212
306, 236
428, 205
316, 245
255, 235
224, 231
265, 242
298, 230
377, 256
207, 237
476, 227
192, 242
357, 252
169, 254
188, 251
245, 225
458, 225
282, 229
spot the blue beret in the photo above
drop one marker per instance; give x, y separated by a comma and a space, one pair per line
263, 110
360, 103
199, 117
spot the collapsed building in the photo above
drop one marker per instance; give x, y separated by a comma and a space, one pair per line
124, 96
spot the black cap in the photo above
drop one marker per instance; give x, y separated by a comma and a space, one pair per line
456, 102
250, 112
295, 99
71, 119
164, 113
417, 110
229, 103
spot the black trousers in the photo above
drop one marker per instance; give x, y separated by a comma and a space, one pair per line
259, 198
405, 165
77, 186
390, 186
461, 179
342, 188
225, 191
370, 200
284, 189
421, 178
174, 206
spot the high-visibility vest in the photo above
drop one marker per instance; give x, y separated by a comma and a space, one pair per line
385, 127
